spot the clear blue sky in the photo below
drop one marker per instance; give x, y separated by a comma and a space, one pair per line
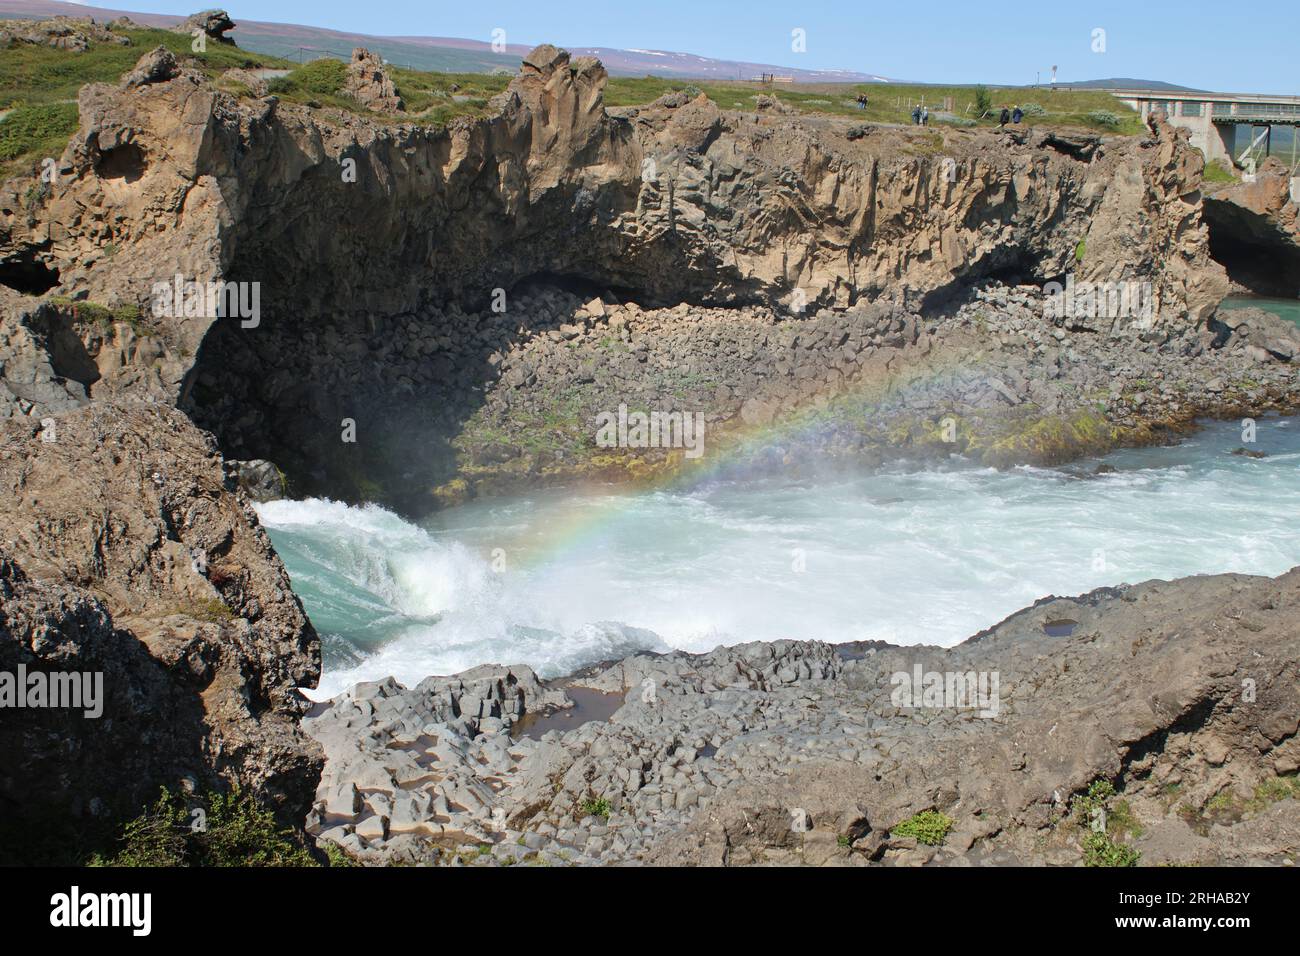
1211, 44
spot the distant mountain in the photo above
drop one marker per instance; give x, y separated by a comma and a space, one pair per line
449, 54
1123, 83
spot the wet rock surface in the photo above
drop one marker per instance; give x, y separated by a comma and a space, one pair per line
1182, 694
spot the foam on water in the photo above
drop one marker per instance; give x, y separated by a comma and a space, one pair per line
907, 556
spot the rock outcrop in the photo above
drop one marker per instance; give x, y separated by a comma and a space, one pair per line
1255, 230
1182, 694
63, 33
125, 551
370, 85
212, 24
347, 232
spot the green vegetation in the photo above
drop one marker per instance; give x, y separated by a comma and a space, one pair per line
1100, 847
210, 610
1100, 850
323, 77
596, 808
337, 856
929, 827
222, 829
40, 130
892, 103
1218, 172
102, 315
1273, 790
1228, 807
1080, 250
1096, 799
1106, 118
440, 97
39, 84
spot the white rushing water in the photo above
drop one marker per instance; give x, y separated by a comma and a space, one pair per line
559, 579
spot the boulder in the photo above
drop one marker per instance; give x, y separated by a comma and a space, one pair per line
156, 66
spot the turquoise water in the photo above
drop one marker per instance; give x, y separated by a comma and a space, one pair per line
1288, 309
559, 579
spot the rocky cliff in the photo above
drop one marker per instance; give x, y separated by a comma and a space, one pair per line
356, 231
420, 283
1255, 232
126, 552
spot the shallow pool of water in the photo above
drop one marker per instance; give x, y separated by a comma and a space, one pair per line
1288, 309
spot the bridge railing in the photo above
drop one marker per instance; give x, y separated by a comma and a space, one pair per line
1279, 112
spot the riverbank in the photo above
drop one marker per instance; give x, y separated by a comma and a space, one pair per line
1166, 703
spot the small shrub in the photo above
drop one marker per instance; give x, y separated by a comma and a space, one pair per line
596, 808
983, 100
235, 831
1099, 847
1103, 118
1080, 250
929, 827
1100, 850
1033, 109
1098, 795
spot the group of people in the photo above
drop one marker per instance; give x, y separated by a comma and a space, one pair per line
921, 115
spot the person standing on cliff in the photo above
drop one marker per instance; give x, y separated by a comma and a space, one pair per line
916, 115
1017, 115
1003, 117
925, 116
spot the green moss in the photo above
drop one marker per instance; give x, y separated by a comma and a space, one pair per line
1278, 788
210, 610
220, 829
929, 827
1080, 250
596, 808
1052, 440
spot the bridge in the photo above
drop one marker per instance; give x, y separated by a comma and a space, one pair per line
1215, 120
